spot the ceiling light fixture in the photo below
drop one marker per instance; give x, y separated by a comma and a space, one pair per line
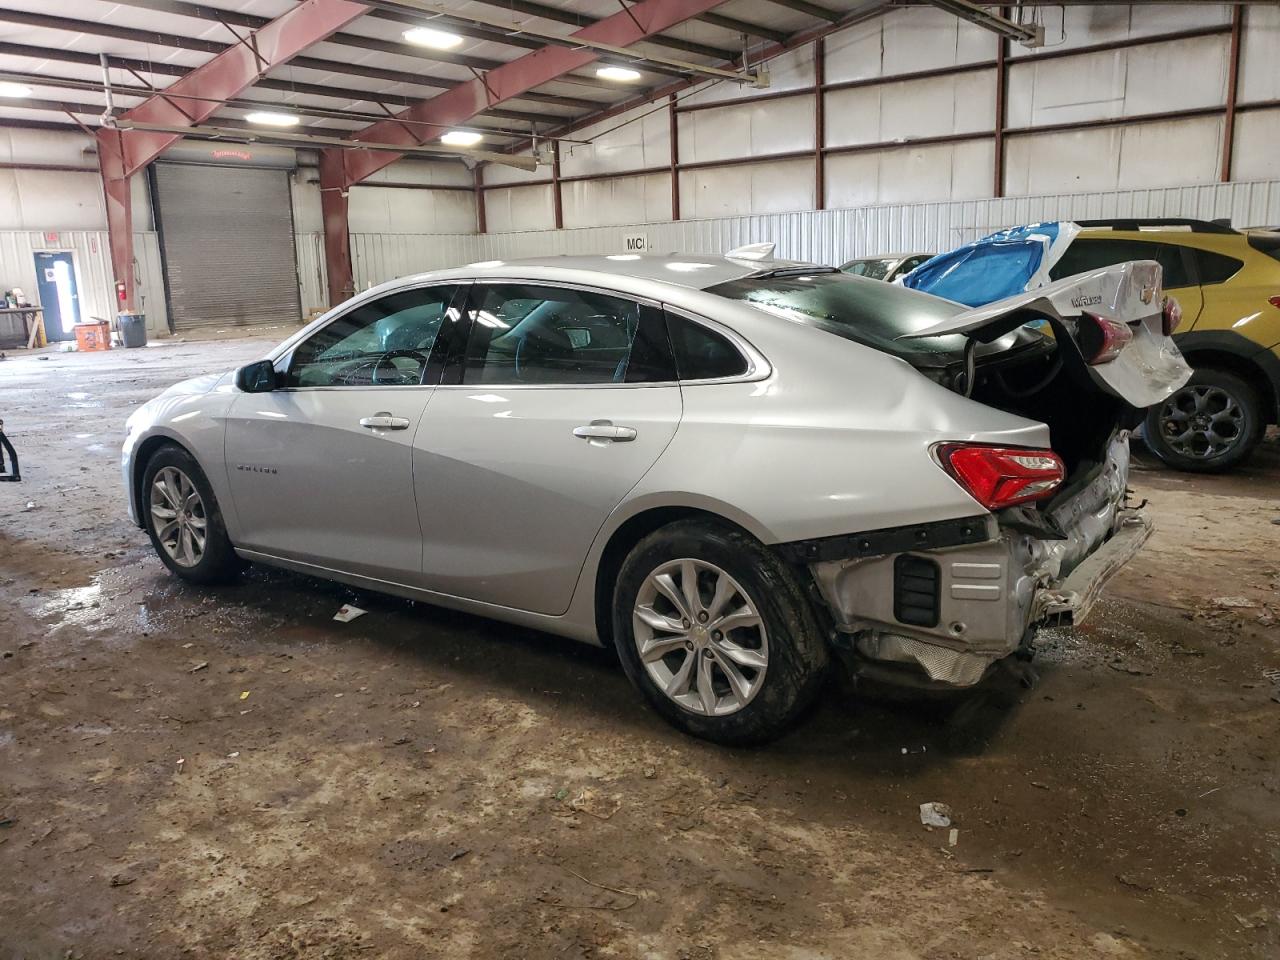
461, 138
430, 37
8, 89
268, 119
618, 74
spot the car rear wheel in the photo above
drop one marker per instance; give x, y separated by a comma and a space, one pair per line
183, 519
1209, 425
717, 633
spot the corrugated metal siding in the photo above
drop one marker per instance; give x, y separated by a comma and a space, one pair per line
93, 265
312, 281
833, 236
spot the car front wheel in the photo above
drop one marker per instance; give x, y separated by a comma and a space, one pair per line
1209, 425
717, 633
183, 519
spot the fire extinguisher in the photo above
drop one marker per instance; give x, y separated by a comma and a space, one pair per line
122, 294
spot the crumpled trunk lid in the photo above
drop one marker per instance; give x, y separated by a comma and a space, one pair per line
1147, 369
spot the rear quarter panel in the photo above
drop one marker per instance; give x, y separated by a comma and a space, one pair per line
836, 439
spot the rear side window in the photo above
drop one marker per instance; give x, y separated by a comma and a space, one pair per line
1088, 254
703, 354
541, 334
1214, 267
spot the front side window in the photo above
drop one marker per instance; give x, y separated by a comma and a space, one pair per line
534, 334
385, 342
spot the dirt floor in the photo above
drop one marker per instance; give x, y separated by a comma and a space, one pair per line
230, 773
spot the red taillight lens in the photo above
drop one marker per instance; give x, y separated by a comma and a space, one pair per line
1101, 338
1274, 301
999, 477
1171, 315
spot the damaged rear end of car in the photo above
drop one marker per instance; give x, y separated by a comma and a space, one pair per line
940, 605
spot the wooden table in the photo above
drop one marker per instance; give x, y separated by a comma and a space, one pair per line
32, 321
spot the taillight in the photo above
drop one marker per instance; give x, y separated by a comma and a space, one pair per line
999, 477
1101, 339
1171, 315
1274, 301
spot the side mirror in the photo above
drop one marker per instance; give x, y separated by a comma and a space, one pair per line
256, 377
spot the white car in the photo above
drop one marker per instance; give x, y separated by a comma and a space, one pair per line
730, 469
887, 267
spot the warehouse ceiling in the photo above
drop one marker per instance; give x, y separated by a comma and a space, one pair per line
369, 70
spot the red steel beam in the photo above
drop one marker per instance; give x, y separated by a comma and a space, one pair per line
122, 153
1233, 93
457, 105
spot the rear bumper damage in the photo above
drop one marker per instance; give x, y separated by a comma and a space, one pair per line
946, 615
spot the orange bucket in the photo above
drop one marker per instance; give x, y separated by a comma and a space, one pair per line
93, 335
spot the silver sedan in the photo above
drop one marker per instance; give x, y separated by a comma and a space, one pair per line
733, 470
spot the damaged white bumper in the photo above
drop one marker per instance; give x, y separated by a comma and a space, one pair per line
953, 612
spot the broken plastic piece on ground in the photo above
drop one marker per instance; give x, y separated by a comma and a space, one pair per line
348, 612
935, 814
953, 837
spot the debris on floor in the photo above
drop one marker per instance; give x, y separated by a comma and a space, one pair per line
935, 814
348, 612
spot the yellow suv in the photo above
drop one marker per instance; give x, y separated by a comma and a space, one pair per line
1228, 283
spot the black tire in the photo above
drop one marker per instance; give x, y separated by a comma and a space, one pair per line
796, 651
1202, 452
218, 562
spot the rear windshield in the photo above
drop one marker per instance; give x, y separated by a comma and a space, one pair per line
870, 312
874, 269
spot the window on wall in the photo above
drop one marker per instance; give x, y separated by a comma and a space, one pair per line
534, 334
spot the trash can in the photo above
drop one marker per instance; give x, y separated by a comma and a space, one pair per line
133, 329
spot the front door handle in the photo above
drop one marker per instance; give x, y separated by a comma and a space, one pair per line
605, 430
385, 421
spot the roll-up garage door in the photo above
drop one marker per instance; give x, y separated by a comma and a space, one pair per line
227, 235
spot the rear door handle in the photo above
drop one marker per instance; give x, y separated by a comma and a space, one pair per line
605, 430
385, 421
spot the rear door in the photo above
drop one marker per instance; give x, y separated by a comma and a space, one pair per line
561, 400
321, 470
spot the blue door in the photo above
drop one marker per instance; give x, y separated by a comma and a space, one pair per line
57, 293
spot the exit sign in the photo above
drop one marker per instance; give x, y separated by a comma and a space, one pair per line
51, 239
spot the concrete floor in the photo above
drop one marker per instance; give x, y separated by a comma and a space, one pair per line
423, 783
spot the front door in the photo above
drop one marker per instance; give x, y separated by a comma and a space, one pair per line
564, 399
321, 470
58, 294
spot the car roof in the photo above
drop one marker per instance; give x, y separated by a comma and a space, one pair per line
1234, 244
686, 270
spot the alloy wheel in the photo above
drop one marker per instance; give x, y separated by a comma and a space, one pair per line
1202, 421
700, 637
178, 516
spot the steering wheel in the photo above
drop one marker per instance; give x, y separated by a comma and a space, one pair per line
378, 369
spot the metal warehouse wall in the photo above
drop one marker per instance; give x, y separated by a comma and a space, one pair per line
824, 236
918, 106
93, 268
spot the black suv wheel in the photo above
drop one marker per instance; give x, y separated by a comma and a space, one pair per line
1209, 425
